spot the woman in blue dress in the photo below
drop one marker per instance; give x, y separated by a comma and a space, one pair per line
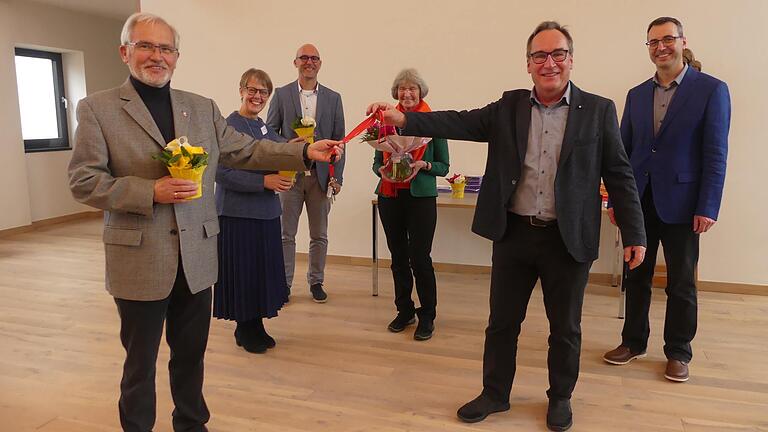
251, 283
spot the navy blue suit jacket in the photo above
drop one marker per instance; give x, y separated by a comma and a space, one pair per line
685, 162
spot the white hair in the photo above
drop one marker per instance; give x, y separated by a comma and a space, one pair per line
144, 17
410, 75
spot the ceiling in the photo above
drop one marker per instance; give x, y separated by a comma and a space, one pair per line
117, 9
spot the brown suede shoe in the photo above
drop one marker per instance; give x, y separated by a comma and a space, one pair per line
676, 371
621, 356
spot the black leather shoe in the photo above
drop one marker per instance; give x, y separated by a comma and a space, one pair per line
479, 408
400, 323
318, 294
559, 415
424, 330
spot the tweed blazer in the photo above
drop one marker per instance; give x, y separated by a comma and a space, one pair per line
112, 169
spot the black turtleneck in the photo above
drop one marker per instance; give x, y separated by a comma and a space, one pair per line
158, 102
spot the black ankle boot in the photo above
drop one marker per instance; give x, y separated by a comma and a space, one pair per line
248, 337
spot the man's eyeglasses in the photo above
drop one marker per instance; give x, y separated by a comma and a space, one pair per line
253, 90
149, 47
540, 57
666, 40
306, 58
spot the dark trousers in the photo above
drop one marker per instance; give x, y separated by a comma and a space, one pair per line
187, 318
681, 253
524, 255
409, 224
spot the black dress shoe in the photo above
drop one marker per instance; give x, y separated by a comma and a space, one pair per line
479, 408
400, 323
559, 415
318, 294
424, 330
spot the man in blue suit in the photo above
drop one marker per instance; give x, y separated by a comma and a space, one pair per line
675, 130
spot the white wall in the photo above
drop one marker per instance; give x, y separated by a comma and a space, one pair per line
470, 52
37, 182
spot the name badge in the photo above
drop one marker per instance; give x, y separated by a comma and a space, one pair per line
264, 130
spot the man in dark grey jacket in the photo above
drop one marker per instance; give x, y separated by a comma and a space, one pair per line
302, 99
540, 204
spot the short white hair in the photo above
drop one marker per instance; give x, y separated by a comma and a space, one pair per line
144, 17
410, 75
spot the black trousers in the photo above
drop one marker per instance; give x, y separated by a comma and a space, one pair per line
524, 255
187, 319
409, 224
681, 253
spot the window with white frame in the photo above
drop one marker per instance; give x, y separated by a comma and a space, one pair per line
42, 103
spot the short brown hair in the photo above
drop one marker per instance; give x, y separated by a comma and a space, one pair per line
549, 25
260, 75
663, 20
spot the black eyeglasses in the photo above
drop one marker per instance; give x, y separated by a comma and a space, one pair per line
558, 55
149, 47
253, 90
306, 58
666, 40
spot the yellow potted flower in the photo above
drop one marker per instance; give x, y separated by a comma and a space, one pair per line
185, 161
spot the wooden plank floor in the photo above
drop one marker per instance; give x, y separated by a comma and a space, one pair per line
336, 367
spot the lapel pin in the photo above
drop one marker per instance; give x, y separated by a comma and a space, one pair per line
579, 107
184, 113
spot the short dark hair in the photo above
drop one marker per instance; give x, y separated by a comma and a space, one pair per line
549, 25
259, 75
663, 20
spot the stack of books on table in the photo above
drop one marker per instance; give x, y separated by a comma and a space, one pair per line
473, 184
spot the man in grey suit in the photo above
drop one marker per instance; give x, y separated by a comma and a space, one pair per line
161, 251
540, 204
304, 98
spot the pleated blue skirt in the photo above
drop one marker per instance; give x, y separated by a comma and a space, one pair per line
251, 269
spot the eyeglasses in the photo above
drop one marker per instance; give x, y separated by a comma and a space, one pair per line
306, 58
411, 90
253, 90
666, 40
540, 57
149, 47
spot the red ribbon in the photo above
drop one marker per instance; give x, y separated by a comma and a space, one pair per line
364, 125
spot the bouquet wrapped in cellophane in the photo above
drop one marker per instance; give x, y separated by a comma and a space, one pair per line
385, 138
185, 161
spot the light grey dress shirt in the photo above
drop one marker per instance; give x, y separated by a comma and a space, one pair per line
535, 194
308, 99
662, 97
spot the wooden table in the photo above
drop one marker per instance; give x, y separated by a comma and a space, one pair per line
444, 200
469, 201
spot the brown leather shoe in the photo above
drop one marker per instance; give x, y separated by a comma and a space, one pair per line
621, 355
676, 371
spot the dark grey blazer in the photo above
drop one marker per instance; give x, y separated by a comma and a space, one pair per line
286, 107
591, 149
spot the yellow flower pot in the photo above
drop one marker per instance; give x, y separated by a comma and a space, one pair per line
194, 174
457, 190
288, 174
306, 132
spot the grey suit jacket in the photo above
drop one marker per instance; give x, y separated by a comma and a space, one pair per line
112, 169
286, 107
591, 149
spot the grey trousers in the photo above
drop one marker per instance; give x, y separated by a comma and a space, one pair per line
306, 191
